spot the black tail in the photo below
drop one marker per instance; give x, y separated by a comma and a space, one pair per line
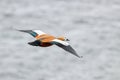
35, 43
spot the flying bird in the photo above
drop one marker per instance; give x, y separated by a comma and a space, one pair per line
46, 40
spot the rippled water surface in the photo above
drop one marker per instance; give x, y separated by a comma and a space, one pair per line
93, 27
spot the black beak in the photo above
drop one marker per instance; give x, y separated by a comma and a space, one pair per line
67, 40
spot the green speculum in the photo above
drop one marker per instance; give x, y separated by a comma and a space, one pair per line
33, 34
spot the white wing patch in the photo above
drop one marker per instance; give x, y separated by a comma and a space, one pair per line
39, 32
61, 42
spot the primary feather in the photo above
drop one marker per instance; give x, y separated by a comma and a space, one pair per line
34, 33
64, 45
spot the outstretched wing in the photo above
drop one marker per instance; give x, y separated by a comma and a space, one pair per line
65, 46
34, 33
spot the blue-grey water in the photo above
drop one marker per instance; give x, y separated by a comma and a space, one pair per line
93, 27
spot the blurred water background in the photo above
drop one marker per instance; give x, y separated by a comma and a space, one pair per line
93, 27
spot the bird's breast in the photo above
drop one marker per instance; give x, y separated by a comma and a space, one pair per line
46, 44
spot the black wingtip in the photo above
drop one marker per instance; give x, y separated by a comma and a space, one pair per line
79, 56
18, 30
76, 55
26, 31
22, 30
71, 50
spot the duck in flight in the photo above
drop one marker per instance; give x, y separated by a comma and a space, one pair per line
46, 40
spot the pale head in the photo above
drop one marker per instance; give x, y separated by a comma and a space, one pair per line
63, 38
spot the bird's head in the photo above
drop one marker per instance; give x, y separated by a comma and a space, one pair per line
63, 38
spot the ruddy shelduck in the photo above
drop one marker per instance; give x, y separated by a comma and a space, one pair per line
46, 40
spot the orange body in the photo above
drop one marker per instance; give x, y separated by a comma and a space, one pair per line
46, 39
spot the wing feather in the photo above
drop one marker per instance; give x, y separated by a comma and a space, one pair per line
34, 33
64, 45
39, 32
